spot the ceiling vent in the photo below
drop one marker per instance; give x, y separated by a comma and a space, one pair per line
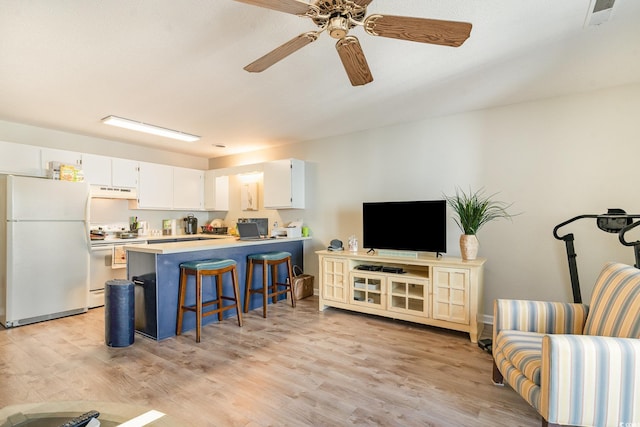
599, 12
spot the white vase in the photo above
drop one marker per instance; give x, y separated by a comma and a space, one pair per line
468, 247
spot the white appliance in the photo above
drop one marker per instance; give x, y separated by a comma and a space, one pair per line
108, 260
44, 249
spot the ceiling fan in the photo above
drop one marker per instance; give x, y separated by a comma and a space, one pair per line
337, 17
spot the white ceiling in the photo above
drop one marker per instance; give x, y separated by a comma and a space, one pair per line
66, 64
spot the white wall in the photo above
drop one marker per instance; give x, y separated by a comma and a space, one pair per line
554, 159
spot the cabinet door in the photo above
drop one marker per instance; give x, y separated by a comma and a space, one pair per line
368, 290
97, 169
216, 192
222, 193
188, 188
408, 295
333, 279
283, 184
62, 156
124, 173
451, 294
155, 186
20, 159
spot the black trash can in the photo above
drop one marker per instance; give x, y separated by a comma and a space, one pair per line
119, 313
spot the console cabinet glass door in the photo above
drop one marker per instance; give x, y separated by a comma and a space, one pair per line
368, 290
334, 279
451, 294
408, 295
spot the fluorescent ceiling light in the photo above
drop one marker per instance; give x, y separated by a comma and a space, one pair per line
143, 127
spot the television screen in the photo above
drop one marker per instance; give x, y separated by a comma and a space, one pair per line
415, 226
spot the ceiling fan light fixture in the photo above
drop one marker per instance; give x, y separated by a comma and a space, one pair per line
338, 27
147, 128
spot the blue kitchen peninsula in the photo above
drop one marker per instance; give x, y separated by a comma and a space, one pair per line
155, 270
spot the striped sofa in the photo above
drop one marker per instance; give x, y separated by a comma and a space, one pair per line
576, 365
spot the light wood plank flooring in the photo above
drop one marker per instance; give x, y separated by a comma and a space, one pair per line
297, 367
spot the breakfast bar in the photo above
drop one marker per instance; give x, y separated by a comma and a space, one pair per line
155, 269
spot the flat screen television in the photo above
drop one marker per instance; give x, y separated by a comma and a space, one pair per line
419, 226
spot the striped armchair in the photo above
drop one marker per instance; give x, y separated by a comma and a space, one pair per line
576, 365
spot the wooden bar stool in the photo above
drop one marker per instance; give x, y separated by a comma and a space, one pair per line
209, 267
269, 260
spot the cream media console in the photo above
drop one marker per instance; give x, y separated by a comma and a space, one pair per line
444, 292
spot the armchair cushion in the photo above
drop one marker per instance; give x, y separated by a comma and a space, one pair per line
615, 303
515, 356
522, 350
538, 316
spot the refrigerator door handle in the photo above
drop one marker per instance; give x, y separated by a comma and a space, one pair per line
87, 234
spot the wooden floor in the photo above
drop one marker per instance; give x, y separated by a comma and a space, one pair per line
298, 367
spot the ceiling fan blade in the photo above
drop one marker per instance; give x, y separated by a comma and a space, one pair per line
296, 7
434, 31
281, 52
362, 3
355, 64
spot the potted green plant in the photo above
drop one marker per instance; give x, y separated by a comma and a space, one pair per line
473, 210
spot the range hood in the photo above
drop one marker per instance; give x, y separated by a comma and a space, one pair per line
105, 192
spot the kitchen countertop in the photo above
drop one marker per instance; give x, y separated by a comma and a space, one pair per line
211, 241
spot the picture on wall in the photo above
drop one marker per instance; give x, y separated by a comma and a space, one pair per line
249, 196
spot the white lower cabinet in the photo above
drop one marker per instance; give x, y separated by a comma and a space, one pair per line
442, 292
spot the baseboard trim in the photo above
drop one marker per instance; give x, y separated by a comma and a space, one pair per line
487, 319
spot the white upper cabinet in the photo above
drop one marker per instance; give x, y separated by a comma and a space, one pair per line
20, 159
222, 193
155, 186
188, 189
108, 171
124, 173
65, 157
216, 192
284, 184
167, 187
97, 169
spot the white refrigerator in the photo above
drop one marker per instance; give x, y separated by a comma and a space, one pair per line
44, 249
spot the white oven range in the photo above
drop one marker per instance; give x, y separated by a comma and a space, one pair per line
108, 261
